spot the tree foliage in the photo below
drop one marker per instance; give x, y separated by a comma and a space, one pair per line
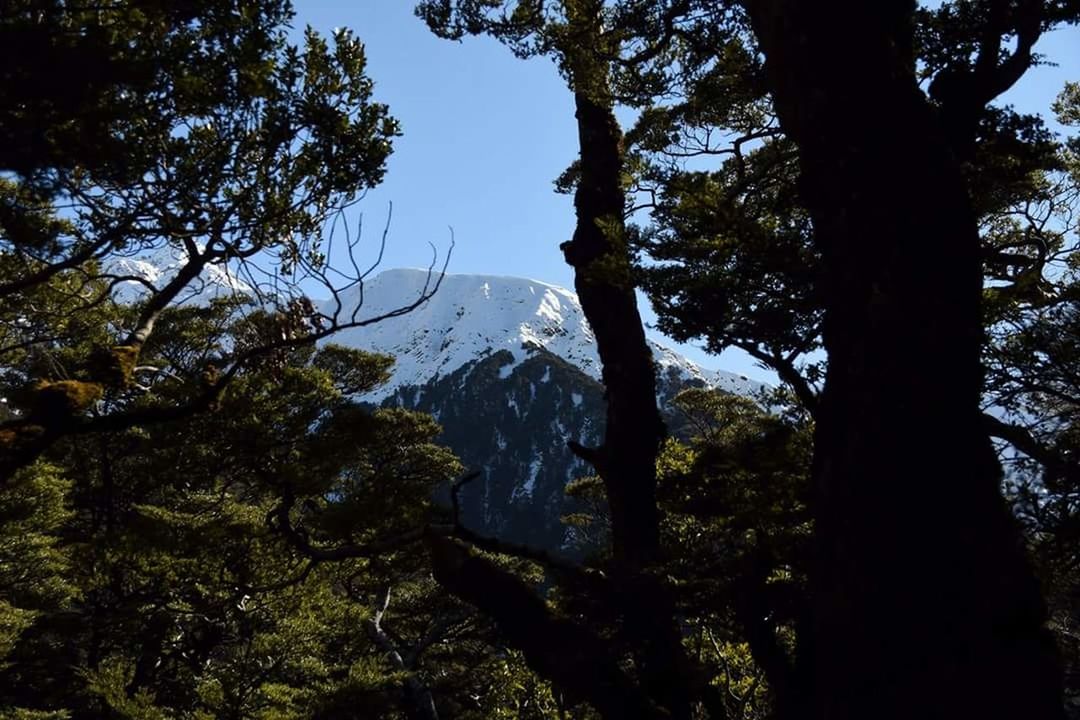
202, 136
198, 519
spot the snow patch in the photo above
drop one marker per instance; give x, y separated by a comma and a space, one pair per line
529, 486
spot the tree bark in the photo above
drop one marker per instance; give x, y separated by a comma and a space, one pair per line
924, 604
626, 461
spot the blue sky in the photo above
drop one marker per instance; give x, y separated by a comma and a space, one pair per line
485, 134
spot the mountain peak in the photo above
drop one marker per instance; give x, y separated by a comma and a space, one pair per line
473, 316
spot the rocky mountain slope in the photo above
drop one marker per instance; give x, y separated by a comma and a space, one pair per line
509, 367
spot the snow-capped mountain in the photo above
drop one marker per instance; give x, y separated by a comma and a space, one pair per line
509, 367
474, 316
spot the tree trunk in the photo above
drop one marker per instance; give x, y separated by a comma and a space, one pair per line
626, 462
924, 603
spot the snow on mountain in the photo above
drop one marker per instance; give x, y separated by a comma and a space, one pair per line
470, 317
161, 265
473, 316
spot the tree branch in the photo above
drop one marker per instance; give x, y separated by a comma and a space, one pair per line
1021, 439
565, 653
417, 694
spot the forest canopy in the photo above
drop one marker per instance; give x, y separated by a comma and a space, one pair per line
200, 517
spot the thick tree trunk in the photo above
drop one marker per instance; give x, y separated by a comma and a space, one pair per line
924, 603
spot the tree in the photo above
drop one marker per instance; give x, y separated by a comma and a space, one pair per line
265, 559
736, 501
733, 498
574, 34
742, 266
1031, 363
236, 149
913, 599
199, 134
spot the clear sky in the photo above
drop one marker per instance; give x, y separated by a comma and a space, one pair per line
485, 134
